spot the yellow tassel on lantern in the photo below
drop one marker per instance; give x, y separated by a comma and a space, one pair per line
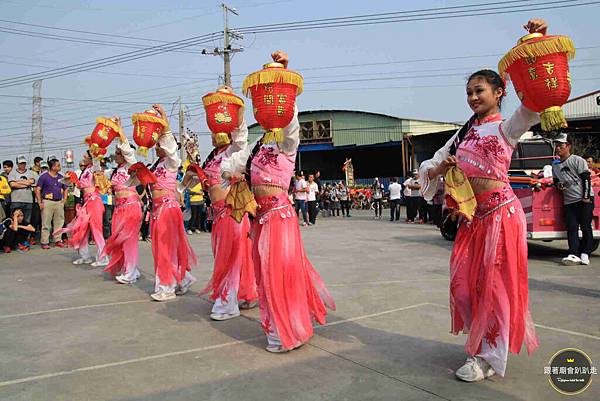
222, 139
142, 151
553, 119
224, 97
271, 76
273, 135
526, 49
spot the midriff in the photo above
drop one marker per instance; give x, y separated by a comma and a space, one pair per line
217, 193
480, 184
266, 190
124, 194
157, 193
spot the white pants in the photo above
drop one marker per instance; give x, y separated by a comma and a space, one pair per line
84, 250
158, 287
229, 306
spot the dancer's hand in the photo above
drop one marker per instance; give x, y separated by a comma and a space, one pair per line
444, 166
280, 56
536, 25
159, 109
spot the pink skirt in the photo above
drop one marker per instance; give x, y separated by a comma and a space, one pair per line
126, 222
232, 249
488, 276
88, 218
291, 293
173, 255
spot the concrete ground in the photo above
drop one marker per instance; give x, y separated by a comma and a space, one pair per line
69, 333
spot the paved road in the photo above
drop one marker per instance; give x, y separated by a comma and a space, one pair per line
69, 333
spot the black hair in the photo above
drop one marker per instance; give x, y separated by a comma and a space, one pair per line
210, 156
492, 78
394, 179
8, 163
253, 153
37, 159
51, 163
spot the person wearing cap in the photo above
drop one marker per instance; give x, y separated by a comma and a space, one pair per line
22, 180
395, 190
51, 194
572, 176
44, 167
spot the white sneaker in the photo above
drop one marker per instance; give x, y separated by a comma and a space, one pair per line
276, 349
185, 286
246, 305
571, 260
224, 316
121, 279
475, 369
83, 261
163, 296
101, 262
198, 232
585, 259
189, 232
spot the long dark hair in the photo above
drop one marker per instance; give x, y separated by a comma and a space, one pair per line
210, 156
253, 153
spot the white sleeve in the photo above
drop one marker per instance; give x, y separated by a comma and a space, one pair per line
514, 127
429, 186
168, 143
239, 137
236, 163
291, 135
127, 152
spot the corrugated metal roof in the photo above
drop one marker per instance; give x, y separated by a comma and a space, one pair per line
583, 107
353, 127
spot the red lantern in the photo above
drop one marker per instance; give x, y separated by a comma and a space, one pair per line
106, 130
539, 69
147, 127
222, 114
273, 91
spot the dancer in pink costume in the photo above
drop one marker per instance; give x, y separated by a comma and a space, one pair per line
88, 216
122, 246
233, 275
488, 266
291, 293
173, 255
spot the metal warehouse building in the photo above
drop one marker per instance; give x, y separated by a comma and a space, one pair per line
379, 145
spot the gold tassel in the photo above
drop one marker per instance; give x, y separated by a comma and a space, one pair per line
553, 119
271, 76
146, 117
273, 135
216, 97
142, 151
109, 123
222, 139
241, 200
556, 44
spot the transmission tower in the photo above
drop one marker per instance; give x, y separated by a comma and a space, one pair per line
36, 147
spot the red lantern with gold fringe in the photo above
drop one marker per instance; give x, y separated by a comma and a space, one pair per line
222, 114
147, 127
273, 91
106, 130
539, 69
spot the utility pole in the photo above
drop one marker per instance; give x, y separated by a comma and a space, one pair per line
37, 139
227, 49
181, 128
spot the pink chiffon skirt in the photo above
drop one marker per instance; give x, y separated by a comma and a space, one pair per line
122, 246
291, 293
88, 218
232, 249
488, 276
173, 255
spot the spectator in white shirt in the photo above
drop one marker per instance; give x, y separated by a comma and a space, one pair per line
395, 196
300, 196
313, 192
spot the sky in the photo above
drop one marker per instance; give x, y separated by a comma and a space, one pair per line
397, 80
